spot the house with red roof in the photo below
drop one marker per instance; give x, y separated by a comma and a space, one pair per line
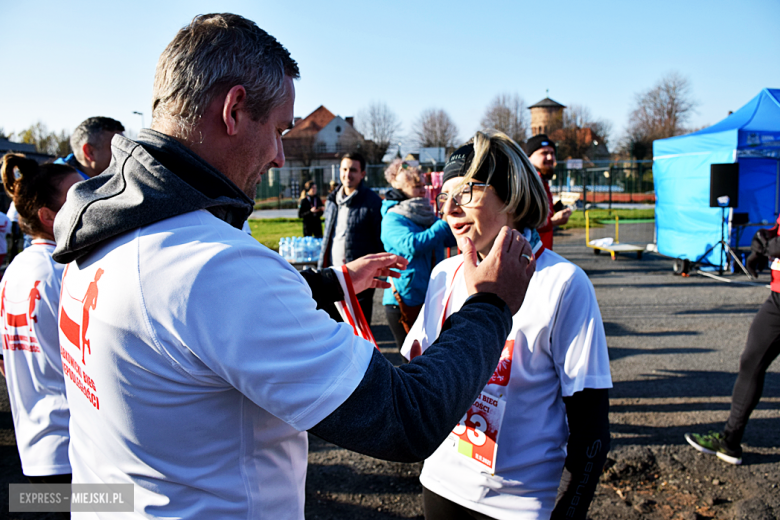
320, 139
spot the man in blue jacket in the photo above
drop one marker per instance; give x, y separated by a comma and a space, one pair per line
353, 223
91, 144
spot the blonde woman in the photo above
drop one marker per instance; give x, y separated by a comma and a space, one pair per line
534, 442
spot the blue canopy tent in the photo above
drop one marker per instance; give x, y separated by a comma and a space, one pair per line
686, 227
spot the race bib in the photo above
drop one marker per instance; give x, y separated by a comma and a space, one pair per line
775, 264
476, 435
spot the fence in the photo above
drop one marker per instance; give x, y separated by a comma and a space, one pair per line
281, 187
607, 182
603, 183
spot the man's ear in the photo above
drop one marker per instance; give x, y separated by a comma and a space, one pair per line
88, 151
233, 109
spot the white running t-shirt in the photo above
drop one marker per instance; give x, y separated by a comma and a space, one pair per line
29, 298
195, 361
5, 230
559, 348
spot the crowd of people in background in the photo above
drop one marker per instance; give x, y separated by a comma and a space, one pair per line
197, 377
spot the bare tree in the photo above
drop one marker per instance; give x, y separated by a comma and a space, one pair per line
580, 135
303, 148
506, 113
435, 129
663, 111
51, 143
380, 126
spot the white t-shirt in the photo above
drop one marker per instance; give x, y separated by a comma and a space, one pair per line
206, 360
12, 213
559, 349
30, 296
5, 230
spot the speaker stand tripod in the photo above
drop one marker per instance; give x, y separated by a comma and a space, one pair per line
725, 249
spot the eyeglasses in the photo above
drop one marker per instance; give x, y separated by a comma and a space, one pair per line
461, 198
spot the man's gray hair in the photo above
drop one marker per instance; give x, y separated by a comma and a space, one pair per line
90, 131
211, 55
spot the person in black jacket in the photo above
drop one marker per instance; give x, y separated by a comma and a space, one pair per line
310, 210
353, 223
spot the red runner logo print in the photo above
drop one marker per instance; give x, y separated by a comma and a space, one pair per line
18, 318
77, 334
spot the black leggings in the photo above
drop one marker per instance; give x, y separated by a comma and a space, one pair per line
439, 508
763, 346
393, 315
54, 479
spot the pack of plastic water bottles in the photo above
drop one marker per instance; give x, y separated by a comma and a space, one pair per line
300, 249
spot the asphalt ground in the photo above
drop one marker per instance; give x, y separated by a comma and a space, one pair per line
674, 345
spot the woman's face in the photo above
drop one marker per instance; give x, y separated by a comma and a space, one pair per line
413, 187
480, 220
46, 215
313, 190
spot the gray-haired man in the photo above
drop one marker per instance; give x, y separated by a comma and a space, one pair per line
207, 360
91, 145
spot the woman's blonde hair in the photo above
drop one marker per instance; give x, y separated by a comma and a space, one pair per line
526, 197
399, 173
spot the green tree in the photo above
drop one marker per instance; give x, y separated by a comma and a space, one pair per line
51, 143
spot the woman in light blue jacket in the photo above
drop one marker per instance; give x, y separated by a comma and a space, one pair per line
410, 229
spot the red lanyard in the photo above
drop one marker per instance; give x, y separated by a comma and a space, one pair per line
359, 324
450, 289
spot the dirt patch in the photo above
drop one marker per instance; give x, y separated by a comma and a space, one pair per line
662, 482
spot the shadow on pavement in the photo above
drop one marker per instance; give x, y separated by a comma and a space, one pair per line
616, 353
616, 329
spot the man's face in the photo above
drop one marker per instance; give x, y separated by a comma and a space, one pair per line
350, 174
262, 148
543, 160
101, 152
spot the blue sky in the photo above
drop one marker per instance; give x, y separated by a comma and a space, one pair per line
66, 61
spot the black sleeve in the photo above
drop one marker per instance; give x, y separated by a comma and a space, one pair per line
588, 416
773, 247
304, 210
324, 285
404, 413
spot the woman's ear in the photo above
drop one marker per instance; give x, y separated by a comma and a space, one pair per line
46, 216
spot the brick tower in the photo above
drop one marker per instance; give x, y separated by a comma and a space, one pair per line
544, 115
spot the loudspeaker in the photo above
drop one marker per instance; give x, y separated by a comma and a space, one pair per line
724, 185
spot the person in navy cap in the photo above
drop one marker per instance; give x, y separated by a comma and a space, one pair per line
541, 152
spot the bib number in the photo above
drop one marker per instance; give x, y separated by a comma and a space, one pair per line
476, 435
